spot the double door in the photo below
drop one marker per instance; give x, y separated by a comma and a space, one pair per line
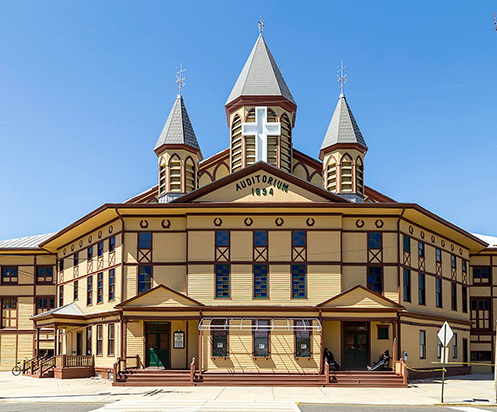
356, 345
158, 349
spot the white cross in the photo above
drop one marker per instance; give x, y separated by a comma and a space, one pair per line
261, 129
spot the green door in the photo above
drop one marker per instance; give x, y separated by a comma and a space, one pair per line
356, 345
158, 349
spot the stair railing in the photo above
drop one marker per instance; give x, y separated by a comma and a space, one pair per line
326, 371
192, 370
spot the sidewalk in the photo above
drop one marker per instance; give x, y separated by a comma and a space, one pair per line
472, 389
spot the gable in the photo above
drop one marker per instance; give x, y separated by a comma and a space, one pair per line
160, 296
261, 183
360, 297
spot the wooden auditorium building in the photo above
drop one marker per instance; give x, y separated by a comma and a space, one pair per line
248, 264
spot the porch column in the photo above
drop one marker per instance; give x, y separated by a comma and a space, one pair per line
55, 330
395, 353
200, 350
125, 338
37, 341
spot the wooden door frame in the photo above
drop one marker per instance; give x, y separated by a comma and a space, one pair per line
342, 340
145, 348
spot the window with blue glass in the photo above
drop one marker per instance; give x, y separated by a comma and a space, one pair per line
421, 289
144, 240
112, 244
438, 287
222, 238
407, 285
76, 259
100, 287
421, 249
298, 238
374, 240
100, 249
144, 278
299, 281
260, 238
260, 281
90, 253
222, 281
89, 290
112, 284
407, 244
375, 278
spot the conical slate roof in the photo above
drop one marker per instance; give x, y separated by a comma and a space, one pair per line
178, 128
343, 127
260, 76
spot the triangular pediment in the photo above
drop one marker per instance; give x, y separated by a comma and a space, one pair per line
260, 183
360, 297
160, 296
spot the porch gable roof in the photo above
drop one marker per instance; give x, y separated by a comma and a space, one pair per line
159, 296
360, 297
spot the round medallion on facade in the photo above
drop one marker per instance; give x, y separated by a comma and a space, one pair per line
99, 234
80, 243
248, 221
432, 239
460, 251
443, 243
359, 223
379, 223
452, 247
218, 221
72, 248
411, 230
65, 251
422, 235
279, 221
310, 221
143, 224
111, 229
166, 223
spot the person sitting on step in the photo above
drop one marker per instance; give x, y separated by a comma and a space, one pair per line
330, 359
383, 362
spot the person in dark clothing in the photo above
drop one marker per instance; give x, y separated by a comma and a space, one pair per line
382, 361
328, 356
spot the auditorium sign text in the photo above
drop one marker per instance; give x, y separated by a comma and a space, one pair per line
262, 185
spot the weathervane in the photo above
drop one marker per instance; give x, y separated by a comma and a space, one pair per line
495, 22
180, 79
260, 24
342, 77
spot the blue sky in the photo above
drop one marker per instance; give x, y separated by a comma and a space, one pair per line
86, 86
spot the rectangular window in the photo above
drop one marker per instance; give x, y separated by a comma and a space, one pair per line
9, 313
407, 285
407, 244
421, 289
110, 339
100, 287
88, 340
112, 244
61, 265
260, 238
261, 338
44, 274
112, 284
302, 339
439, 256
454, 296
374, 240
222, 238
481, 275
453, 262
222, 280
421, 249
260, 281
89, 290
464, 266
144, 278
299, 281
375, 279
422, 344
99, 340
61, 295
439, 348
299, 238
44, 304
100, 249
438, 285
219, 338
90, 252
454, 346
465, 299
481, 356
76, 286
382, 332
76, 259
9, 275
480, 313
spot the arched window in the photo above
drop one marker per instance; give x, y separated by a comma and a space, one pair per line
175, 174
250, 141
190, 175
236, 144
331, 173
346, 174
359, 173
162, 177
272, 141
286, 144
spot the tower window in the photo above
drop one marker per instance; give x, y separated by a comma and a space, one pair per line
236, 144
359, 176
190, 175
346, 175
162, 179
332, 176
286, 144
175, 175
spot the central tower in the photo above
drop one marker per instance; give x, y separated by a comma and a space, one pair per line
261, 113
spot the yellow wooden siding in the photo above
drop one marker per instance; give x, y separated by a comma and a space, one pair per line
241, 246
161, 297
25, 310
352, 276
9, 351
179, 356
131, 276
192, 339
280, 246
378, 346
169, 247
135, 339
332, 338
25, 346
354, 247
323, 246
173, 277
200, 246
390, 248
26, 275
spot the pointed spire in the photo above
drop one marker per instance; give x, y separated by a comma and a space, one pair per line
178, 129
343, 127
260, 76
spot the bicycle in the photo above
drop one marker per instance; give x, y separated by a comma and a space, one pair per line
17, 369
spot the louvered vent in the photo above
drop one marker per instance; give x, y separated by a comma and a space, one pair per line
190, 176
175, 175
236, 144
272, 142
346, 175
250, 142
286, 144
332, 176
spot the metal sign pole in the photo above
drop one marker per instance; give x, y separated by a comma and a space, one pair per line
444, 348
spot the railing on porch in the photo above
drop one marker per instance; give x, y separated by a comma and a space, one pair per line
123, 364
46, 365
70, 361
35, 363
